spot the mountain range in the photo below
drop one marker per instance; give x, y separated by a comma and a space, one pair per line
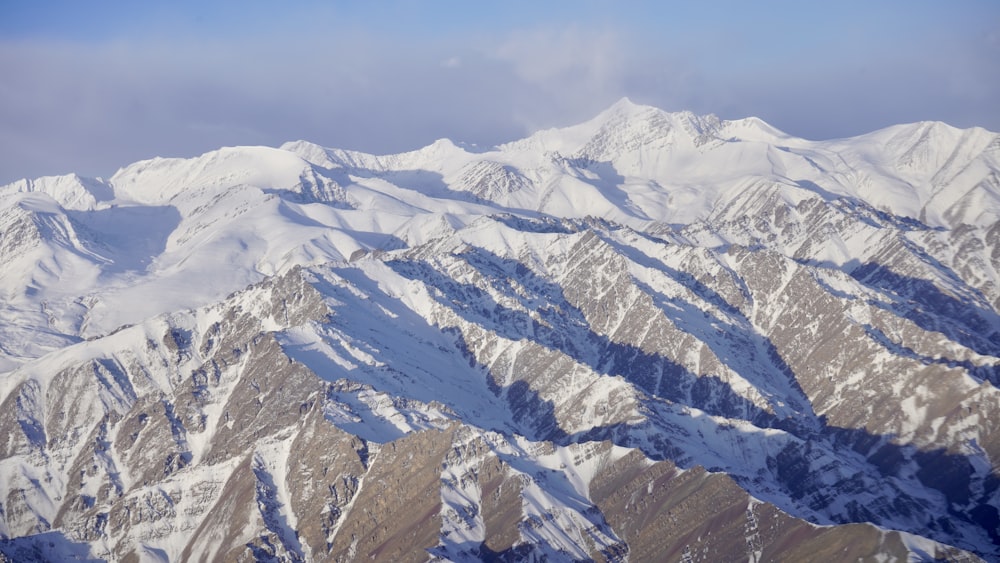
651, 336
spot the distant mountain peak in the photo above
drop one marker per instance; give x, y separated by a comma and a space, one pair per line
626, 107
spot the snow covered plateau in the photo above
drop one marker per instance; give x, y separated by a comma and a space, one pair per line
652, 336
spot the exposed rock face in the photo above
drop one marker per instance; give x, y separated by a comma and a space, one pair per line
799, 372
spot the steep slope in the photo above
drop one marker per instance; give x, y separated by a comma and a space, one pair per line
650, 336
174, 438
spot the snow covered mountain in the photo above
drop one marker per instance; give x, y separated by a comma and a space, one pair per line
651, 336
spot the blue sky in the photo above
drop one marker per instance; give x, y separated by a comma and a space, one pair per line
89, 87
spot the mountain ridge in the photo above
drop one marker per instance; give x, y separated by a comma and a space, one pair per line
624, 115
514, 342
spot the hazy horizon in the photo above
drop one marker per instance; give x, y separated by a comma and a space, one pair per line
89, 88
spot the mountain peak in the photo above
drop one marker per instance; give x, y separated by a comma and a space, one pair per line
752, 129
160, 179
627, 110
70, 190
626, 105
700, 127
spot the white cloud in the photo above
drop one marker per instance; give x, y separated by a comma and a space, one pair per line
545, 56
563, 74
91, 108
